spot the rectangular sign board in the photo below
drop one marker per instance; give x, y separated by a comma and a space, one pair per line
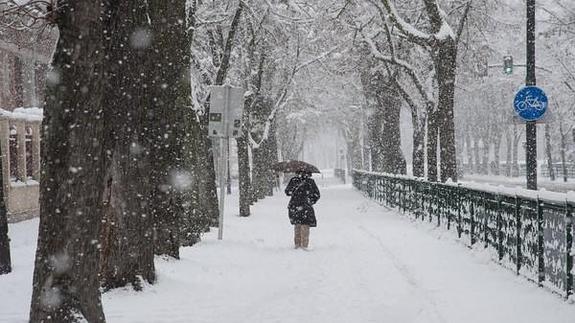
226, 109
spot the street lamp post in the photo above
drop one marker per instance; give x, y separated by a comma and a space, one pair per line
530, 80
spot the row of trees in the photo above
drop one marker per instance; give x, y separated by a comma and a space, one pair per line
393, 55
127, 166
441, 62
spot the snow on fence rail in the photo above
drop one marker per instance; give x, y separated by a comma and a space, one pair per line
20, 143
530, 232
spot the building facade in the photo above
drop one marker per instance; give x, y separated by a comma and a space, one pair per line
25, 57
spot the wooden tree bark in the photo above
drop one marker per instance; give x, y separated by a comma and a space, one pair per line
380, 91
432, 141
166, 120
266, 154
393, 161
445, 63
65, 284
246, 185
127, 234
244, 174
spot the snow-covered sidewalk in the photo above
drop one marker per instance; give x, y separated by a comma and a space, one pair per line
366, 264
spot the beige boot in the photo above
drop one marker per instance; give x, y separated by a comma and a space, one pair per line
297, 236
304, 236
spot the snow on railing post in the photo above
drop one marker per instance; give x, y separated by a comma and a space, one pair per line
472, 220
500, 233
540, 245
518, 235
569, 250
459, 213
485, 223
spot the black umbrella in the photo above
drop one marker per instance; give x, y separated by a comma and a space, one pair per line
295, 166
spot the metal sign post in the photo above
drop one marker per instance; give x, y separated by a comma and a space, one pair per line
530, 80
224, 142
225, 121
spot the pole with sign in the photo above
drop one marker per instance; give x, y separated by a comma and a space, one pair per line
225, 121
531, 81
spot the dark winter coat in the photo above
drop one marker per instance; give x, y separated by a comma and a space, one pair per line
304, 193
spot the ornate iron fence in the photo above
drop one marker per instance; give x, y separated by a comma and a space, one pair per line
529, 234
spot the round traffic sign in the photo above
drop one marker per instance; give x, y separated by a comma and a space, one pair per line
530, 103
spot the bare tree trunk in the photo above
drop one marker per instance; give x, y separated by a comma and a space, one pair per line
127, 232
548, 152
393, 161
244, 174
419, 150
167, 120
497, 155
65, 284
445, 65
375, 140
563, 150
485, 156
432, 141
509, 153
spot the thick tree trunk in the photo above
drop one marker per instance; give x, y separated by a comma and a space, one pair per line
127, 233
445, 66
375, 144
393, 161
244, 174
196, 220
432, 137
167, 120
65, 284
265, 155
381, 92
418, 155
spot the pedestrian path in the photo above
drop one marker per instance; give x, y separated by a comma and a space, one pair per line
366, 264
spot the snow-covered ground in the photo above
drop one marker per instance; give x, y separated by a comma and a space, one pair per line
366, 264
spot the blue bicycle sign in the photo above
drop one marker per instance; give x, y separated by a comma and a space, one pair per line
530, 103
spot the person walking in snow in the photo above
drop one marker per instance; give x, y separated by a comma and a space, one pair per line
304, 194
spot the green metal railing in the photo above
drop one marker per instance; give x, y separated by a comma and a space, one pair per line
530, 234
